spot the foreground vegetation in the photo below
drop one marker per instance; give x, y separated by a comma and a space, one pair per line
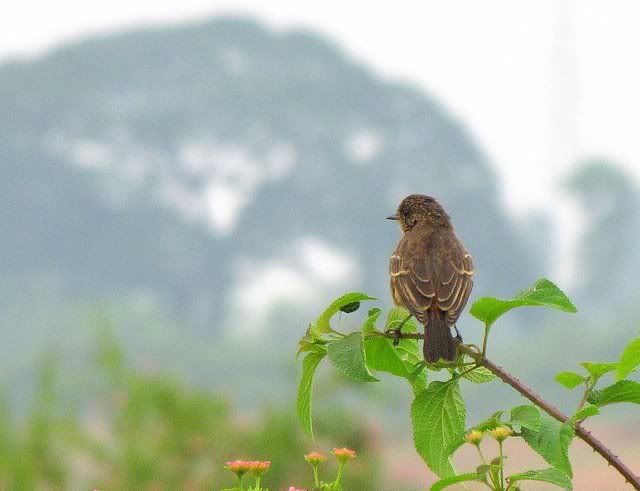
149, 431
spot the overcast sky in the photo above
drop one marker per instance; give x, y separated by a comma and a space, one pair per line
539, 83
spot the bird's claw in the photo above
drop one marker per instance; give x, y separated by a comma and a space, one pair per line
396, 335
458, 336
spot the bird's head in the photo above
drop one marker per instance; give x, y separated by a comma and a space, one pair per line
418, 208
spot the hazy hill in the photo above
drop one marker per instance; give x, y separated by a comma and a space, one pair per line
208, 170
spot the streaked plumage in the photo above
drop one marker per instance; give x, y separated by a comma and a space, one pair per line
431, 273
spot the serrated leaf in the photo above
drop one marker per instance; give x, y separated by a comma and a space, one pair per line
479, 375
382, 356
598, 369
553, 476
585, 412
323, 323
569, 379
347, 355
526, 416
303, 402
552, 442
543, 294
438, 420
623, 391
448, 481
629, 360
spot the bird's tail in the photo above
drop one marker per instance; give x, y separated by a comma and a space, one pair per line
438, 340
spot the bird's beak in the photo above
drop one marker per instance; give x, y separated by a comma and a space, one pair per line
392, 217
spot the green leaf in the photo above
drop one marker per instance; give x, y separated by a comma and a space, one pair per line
303, 402
408, 346
553, 476
623, 391
543, 294
490, 423
369, 325
304, 345
448, 481
629, 360
479, 375
322, 325
347, 355
417, 377
526, 416
382, 356
585, 412
395, 318
552, 442
438, 419
569, 379
597, 370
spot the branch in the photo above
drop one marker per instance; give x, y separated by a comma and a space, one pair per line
509, 379
591, 440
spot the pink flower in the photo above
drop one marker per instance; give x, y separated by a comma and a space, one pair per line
293, 488
344, 454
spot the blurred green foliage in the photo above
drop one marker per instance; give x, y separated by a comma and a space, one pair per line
149, 431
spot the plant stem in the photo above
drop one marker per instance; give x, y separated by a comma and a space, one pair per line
240, 485
481, 456
339, 475
501, 472
484, 462
316, 479
485, 339
585, 435
258, 479
589, 386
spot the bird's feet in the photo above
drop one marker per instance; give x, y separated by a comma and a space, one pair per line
396, 332
458, 336
396, 335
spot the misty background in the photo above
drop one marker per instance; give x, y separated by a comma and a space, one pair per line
204, 188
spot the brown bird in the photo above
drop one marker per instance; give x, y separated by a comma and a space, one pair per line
431, 273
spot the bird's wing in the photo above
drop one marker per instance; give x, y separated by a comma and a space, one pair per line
409, 289
453, 296
421, 277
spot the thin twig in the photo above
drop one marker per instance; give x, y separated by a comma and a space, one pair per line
403, 335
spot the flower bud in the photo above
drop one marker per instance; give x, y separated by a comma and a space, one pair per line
501, 433
474, 437
314, 458
344, 454
238, 467
259, 467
